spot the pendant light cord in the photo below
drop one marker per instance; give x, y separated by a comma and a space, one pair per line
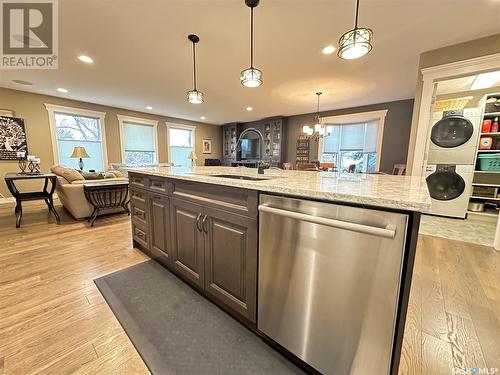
194, 65
318, 94
356, 21
251, 38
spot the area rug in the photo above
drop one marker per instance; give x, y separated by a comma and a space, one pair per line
178, 331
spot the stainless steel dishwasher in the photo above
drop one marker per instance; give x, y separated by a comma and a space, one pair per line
329, 281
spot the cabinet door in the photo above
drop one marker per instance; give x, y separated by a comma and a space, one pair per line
160, 225
231, 260
187, 240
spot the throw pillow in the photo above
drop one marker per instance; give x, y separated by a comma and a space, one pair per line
69, 174
91, 175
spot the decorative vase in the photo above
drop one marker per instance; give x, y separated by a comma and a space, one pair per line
22, 165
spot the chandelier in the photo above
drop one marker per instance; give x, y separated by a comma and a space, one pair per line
318, 130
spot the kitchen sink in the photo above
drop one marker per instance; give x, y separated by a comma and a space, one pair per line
239, 177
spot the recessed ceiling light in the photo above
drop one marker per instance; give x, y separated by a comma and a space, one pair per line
202, 118
249, 109
328, 50
486, 80
86, 59
60, 89
149, 107
21, 82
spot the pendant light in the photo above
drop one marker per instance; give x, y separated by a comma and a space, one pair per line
194, 96
319, 130
251, 77
356, 42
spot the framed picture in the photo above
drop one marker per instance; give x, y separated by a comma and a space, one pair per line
6, 112
207, 146
12, 137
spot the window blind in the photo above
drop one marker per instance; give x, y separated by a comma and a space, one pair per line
139, 144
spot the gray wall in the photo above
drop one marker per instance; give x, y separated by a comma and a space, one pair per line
396, 131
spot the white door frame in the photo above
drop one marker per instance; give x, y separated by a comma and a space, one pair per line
431, 76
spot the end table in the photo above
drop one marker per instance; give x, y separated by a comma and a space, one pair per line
106, 195
45, 194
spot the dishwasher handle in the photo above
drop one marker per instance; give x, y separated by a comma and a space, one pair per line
387, 232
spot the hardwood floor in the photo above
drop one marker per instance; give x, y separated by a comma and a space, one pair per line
454, 312
53, 319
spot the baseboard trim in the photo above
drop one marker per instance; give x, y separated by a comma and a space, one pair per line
6, 200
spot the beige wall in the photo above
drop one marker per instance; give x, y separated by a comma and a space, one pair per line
31, 107
457, 52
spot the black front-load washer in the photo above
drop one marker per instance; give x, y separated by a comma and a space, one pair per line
452, 130
445, 183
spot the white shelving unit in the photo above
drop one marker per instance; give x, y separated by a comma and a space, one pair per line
482, 176
492, 114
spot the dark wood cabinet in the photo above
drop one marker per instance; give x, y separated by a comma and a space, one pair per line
230, 134
187, 240
231, 260
160, 224
207, 235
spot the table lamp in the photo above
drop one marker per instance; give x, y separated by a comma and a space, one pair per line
80, 152
193, 157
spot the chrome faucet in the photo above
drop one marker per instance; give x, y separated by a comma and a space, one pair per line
261, 165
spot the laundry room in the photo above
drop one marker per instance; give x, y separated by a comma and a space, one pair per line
463, 158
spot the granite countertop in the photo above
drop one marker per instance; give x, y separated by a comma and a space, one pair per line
397, 192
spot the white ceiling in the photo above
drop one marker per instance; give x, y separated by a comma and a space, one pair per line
461, 84
142, 56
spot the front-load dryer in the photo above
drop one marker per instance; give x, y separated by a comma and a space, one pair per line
449, 187
453, 136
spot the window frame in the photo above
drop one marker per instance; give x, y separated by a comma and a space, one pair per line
171, 125
52, 109
122, 119
353, 118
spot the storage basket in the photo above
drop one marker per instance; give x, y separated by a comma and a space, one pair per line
489, 162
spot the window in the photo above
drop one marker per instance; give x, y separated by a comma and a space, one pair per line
352, 147
138, 137
181, 142
77, 127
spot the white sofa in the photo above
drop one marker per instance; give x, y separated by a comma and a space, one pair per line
71, 195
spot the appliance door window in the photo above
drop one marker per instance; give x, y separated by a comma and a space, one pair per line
181, 141
452, 131
139, 144
75, 130
445, 186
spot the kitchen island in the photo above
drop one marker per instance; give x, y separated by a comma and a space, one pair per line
319, 264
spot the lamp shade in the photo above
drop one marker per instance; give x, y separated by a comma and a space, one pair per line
192, 155
79, 152
195, 97
355, 43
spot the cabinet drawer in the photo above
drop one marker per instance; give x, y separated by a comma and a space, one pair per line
140, 234
138, 198
137, 180
139, 214
240, 201
159, 185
